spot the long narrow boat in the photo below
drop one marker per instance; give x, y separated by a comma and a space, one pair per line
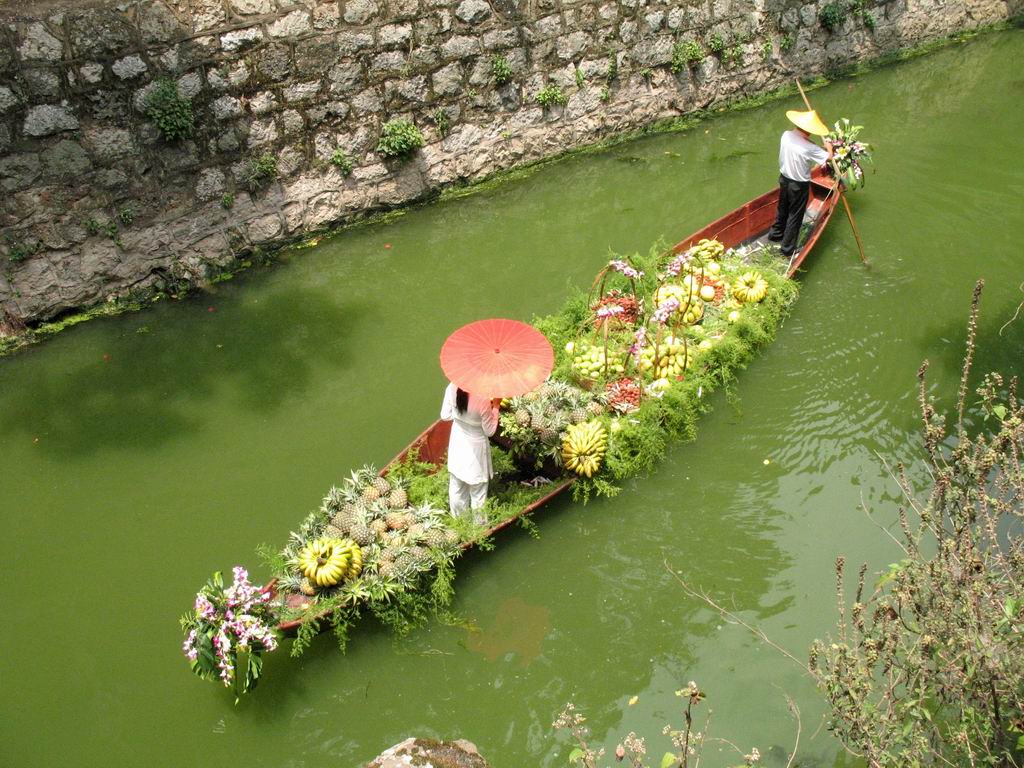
748, 225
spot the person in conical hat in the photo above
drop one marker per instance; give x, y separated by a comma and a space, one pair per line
798, 155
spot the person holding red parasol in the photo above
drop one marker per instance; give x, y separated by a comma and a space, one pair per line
490, 359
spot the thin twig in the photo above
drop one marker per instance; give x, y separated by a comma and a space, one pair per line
757, 631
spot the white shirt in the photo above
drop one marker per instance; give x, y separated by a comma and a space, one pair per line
469, 453
797, 156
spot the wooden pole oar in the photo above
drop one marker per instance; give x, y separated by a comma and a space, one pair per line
839, 189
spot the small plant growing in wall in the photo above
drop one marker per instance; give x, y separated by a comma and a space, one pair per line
686, 53
606, 94
581, 79
170, 111
442, 121
786, 43
261, 171
766, 49
613, 67
227, 201
647, 74
500, 69
126, 216
342, 162
716, 44
550, 95
399, 138
17, 251
832, 15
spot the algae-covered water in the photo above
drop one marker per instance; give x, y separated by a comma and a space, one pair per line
141, 453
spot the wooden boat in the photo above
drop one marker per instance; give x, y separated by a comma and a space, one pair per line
747, 225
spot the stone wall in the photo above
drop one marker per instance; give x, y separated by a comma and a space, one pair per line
96, 204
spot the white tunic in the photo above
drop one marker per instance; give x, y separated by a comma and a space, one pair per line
797, 156
469, 453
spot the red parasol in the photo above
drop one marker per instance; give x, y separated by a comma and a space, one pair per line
497, 358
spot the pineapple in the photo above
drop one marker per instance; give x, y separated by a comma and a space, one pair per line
387, 555
548, 434
348, 517
307, 588
398, 499
333, 531
578, 415
383, 486
379, 527
386, 569
523, 417
416, 531
362, 534
451, 537
436, 538
396, 520
595, 408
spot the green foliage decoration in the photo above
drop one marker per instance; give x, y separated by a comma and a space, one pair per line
227, 201
716, 43
170, 111
551, 95
20, 250
399, 138
501, 71
786, 43
261, 171
612, 71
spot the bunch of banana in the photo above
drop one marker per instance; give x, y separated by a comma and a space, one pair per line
325, 562
750, 287
708, 250
584, 446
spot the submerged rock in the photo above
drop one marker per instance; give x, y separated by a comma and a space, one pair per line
427, 753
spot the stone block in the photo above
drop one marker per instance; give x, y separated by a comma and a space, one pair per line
207, 15
226, 108
628, 31
273, 63
302, 91
250, 7
47, 119
314, 56
425, 57
190, 85
447, 81
97, 33
367, 102
392, 35
472, 11
129, 67
289, 160
292, 122
18, 170
403, 9
412, 90
158, 24
108, 144
240, 39
549, 26
460, 47
326, 16
264, 229
91, 73
654, 20
37, 44
262, 132
346, 77
571, 46
66, 159
263, 102
499, 39
387, 63
352, 42
41, 84
291, 25
360, 11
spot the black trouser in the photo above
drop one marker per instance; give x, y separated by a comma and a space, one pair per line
790, 214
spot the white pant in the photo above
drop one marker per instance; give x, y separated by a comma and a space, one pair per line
463, 496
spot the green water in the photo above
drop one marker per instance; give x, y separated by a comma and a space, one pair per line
141, 453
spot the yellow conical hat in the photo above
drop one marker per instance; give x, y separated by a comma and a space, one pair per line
809, 121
